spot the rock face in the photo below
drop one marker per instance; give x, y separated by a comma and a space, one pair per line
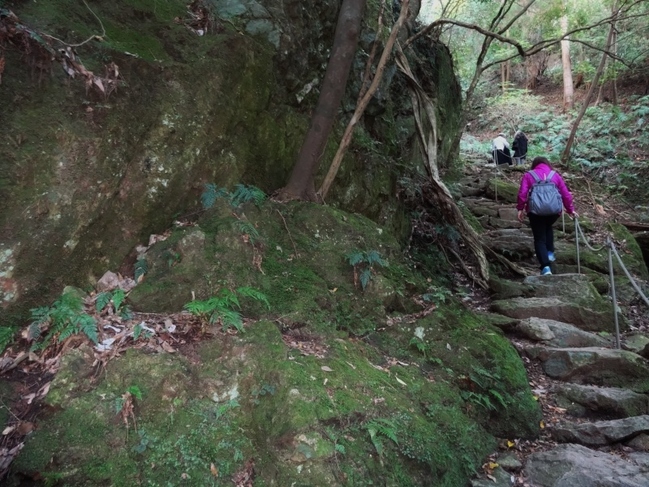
294, 397
575, 465
86, 178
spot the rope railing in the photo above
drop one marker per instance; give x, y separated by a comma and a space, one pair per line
612, 251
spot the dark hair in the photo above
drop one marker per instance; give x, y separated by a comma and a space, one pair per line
540, 160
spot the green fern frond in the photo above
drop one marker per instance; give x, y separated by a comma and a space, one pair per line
244, 194
229, 318
254, 294
88, 326
365, 277
135, 392
118, 298
102, 300
6, 337
247, 228
373, 257
228, 299
141, 268
355, 257
34, 331
210, 194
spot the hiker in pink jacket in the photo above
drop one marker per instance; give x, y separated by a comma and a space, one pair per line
542, 224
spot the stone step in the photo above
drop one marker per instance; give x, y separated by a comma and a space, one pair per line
579, 314
557, 334
597, 366
577, 466
612, 402
601, 433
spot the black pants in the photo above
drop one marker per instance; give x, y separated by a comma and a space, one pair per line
543, 236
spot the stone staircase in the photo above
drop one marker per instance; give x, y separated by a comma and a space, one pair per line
595, 397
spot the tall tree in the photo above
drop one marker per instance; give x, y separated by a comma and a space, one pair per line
568, 90
609, 41
301, 184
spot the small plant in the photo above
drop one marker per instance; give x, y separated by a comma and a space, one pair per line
420, 345
264, 390
224, 307
131, 392
115, 298
66, 317
241, 194
436, 295
363, 264
483, 388
6, 336
125, 405
380, 429
141, 268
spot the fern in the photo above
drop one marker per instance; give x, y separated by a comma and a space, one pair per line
102, 300
374, 258
210, 194
244, 194
378, 428
355, 257
141, 268
118, 298
250, 292
224, 306
247, 228
365, 277
363, 263
66, 317
6, 337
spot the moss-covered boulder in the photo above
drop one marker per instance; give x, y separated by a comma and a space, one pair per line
86, 177
333, 384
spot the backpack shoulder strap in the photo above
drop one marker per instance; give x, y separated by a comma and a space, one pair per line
550, 175
534, 175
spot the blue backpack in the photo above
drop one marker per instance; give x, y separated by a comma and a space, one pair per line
544, 198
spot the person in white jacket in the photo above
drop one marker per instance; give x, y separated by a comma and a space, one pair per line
501, 152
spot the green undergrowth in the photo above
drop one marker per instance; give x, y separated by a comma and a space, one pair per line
346, 418
332, 384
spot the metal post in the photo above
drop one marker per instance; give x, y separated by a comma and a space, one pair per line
577, 230
612, 278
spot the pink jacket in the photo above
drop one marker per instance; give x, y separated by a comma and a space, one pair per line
542, 170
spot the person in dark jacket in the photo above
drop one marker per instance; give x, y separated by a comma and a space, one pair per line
542, 224
519, 145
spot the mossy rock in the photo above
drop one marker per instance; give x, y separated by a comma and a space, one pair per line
380, 409
502, 190
302, 268
347, 418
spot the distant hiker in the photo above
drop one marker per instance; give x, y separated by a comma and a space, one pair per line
542, 195
500, 149
520, 148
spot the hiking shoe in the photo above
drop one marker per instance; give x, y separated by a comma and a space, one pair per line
546, 271
551, 257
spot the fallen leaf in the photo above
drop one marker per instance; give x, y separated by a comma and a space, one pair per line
326, 369
25, 427
214, 470
8, 430
400, 381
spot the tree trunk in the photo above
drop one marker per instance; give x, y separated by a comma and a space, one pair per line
426, 124
363, 102
568, 93
591, 91
301, 184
